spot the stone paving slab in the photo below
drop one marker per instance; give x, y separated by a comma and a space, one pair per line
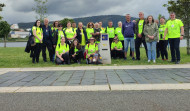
94, 77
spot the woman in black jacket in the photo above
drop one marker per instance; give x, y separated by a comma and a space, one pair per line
76, 51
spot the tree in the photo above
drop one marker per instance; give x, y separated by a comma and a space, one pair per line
40, 9
5, 28
182, 10
64, 22
159, 16
1, 9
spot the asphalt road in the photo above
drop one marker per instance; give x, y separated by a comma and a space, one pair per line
171, 100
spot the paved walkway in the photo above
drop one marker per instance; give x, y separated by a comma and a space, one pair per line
97, 78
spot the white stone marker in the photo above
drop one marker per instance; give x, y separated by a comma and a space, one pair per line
104, 49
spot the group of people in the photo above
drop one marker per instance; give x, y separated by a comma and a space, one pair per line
73, 43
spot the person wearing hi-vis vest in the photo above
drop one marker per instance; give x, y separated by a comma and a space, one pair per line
54, 29
175, 31
140, 37
91, 49
62, 53
110, 30
128, 30
58, 34
90, 29
118, 32
102, 28
70, 33
74, 26
163, 43
38, 37
96, 33
75, 51
82, 36
117, 49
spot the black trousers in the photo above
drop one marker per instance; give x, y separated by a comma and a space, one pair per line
32, 51
158, 50
53, 53
65, 57
138, 43
163, 48
122, 41
174, 47
117, 53
69, 42
47, 44
110, 41
77, 57
37, 50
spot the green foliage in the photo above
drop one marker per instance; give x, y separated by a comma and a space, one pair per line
64, 22
159, 16
51, 25
1, 9
40, 9
180, 7
182, 10
4, 30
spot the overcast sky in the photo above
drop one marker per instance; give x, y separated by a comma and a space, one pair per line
17, 11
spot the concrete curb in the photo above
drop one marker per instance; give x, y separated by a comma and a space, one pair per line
96, 68
128, 87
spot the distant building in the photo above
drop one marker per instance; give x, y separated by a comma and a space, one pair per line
28, 29
14, 26
18, 34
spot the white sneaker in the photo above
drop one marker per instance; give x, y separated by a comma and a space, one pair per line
154, 61
148, 60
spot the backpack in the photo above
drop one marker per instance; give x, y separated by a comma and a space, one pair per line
65, 31
31, 38
65, 43
30, 42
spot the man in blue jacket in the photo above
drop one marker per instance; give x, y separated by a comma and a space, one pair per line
128, 30
47, 41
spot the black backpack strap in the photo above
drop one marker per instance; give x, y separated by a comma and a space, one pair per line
106, 30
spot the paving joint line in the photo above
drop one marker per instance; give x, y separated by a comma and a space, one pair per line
57, 78
51, 74
19, 79
82, 78
131, 77
118, 76
107, 80
70, 78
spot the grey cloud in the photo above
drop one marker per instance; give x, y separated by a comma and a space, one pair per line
22, 5
58, 9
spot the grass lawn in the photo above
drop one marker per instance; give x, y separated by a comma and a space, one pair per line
17, 58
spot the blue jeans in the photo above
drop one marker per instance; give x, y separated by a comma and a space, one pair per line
126, 44
151, 46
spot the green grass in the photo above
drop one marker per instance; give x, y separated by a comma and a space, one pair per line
16, 57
